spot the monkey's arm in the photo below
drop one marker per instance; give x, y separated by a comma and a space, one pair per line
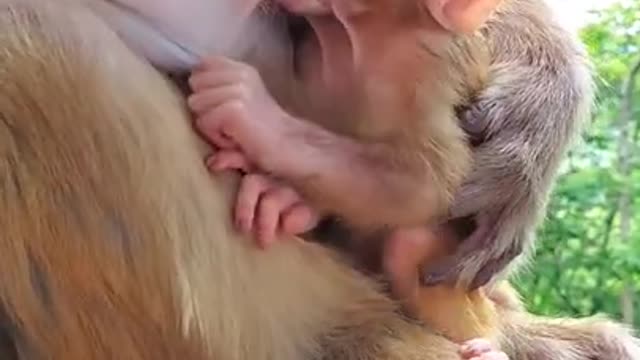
367, 183
523, 134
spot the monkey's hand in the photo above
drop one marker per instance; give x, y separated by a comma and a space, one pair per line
270, 209
481, 349
235, 112
487, 251
264, 206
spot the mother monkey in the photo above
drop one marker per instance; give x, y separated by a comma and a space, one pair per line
116, 242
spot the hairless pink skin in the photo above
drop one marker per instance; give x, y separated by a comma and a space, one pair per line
236, 113
481, 349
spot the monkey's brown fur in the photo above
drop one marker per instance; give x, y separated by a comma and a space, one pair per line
116, 241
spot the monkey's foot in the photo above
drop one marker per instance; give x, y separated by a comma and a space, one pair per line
269, 208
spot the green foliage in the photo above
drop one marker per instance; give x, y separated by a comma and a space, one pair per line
585, 258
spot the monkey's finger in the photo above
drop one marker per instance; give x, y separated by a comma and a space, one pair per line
272, 204
299, 219
204, 80
475, 347
485, 275
251, 187
221, 141
443, 272
228, 160
226, 119
266, 222
404, 251
204, 101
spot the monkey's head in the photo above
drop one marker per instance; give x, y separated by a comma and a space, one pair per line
331, 37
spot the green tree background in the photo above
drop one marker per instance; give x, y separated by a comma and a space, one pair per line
588, 252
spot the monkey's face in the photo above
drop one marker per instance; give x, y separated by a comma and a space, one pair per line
334, 46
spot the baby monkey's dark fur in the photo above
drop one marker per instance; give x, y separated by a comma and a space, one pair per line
537, 92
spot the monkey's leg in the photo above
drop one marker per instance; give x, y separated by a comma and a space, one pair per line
117, 244
528, 337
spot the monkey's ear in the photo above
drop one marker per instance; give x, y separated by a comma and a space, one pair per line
462, 16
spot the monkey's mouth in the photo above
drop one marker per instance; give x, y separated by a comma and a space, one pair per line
299, 31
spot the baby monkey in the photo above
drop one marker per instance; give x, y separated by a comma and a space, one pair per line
376, 127
378, 84
372, 133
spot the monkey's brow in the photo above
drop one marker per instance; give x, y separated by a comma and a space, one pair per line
146, 22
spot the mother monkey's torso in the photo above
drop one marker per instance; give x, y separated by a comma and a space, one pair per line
118, 242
